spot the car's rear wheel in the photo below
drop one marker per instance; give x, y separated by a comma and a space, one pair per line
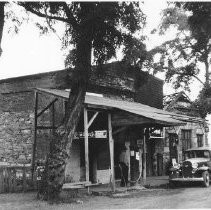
206, 179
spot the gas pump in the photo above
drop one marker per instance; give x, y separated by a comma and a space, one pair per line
136, 152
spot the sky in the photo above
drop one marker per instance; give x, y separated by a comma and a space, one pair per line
28, 53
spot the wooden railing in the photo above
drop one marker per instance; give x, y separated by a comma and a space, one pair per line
16, 179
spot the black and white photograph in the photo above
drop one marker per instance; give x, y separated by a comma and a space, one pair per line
105, 105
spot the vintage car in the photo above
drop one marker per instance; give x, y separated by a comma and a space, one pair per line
196, 167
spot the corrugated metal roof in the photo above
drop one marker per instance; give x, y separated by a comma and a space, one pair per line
199, 148
161, 116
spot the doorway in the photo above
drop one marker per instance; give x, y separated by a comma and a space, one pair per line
173, 140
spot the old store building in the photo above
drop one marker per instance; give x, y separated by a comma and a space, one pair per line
111, 117
192, 134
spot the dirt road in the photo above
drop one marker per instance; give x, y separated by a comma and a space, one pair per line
179, 198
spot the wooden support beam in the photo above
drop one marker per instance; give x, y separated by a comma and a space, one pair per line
140, 161
35, 134
120, 130
53, 120
92, 119
99, 107
86, 143
144, 156
48, 106
111, 148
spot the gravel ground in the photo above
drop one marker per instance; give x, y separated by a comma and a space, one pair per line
179, 198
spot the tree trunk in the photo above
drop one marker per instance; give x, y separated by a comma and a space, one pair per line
1, 23
206, 62
54, 174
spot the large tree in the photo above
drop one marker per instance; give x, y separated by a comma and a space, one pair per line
187, 55
2, 4
94, 30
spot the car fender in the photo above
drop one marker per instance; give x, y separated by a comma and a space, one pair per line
203, 168
172, 169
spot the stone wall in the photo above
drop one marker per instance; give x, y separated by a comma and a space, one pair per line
116, 80
16, 134
195, 128
17, 126
17, 112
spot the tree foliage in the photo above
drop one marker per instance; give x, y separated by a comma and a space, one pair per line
181, 58
93, 31
111, 24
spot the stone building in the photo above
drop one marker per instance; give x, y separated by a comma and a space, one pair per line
115, 82
192, 134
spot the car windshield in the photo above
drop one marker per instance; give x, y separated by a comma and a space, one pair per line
197, 154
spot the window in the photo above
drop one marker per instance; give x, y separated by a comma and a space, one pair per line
200, 140
186, 139
197, 154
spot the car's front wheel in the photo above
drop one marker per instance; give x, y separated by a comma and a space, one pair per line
206, 179
172, 184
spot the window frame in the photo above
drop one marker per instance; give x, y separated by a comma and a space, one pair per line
186, 136
201, 140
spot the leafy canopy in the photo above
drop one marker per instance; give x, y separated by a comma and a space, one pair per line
188, 54
110, 24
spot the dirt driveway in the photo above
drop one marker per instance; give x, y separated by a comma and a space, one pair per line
180, 198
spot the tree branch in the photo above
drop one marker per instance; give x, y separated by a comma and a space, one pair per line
70, 16
198, 79
51, 28
42, 14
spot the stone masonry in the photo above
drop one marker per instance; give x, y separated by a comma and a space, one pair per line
16, 131
17, 112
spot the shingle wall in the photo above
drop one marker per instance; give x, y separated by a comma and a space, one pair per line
151, 93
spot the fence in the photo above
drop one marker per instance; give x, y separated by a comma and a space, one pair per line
16, 179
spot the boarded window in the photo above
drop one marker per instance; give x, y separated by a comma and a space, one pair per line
186, 139
200, 140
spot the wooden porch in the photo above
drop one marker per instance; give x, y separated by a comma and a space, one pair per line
120, 115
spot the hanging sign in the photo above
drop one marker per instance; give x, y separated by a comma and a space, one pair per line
158, 133
101, 134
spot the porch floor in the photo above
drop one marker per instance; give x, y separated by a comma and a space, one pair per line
152, 181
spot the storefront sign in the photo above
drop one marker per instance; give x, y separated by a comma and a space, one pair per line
158, 133
101, 134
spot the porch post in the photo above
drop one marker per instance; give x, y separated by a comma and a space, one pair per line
86, 143
140, 161
35, 134
144, 157
53, 119
111, 148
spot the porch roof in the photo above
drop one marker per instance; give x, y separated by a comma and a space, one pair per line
140, 111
